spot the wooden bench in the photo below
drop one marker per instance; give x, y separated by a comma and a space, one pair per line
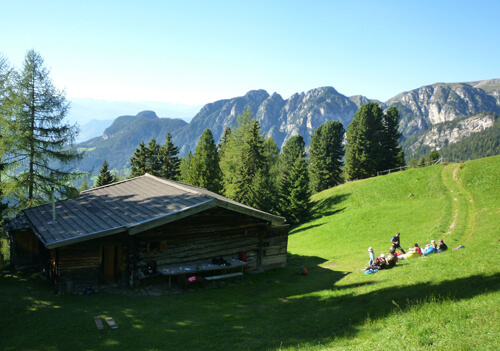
224, 276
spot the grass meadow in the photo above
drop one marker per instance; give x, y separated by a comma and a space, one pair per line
446, 301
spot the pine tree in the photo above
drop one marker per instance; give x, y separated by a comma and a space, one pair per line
42, 141
169, 159
105, 177
363, 147
204, 170
326, 153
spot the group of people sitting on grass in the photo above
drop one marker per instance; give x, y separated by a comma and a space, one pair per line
382, 262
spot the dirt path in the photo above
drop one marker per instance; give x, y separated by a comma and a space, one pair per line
462, 222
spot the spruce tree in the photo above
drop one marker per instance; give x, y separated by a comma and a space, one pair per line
232, 155
169, 159
297, 199
392, 155
363, 147
105, 177
204, 170
41, 140
252, 172
245, 164
184, 167
153, 162
139, 161
326, 153
291, 180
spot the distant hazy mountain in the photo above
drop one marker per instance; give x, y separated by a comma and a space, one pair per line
92, 129
118, 142
301, 114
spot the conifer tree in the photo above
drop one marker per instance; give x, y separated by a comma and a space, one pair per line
363, 147
139, 161
41, 141
85, 185
392, 155
153, 162
105, 177
297, 203
245, 166
169, 159
251, 186
184, 167
293, 184
433, 156
204, 170
326, 153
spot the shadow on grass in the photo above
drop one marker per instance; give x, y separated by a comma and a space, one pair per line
267, 311
326, 207
298, 230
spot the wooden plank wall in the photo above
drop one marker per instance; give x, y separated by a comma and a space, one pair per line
202, 237
80, 265
275, 248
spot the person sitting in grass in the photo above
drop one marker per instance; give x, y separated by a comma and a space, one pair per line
372, 256
413, 252
442, 246
431, 248
391, 260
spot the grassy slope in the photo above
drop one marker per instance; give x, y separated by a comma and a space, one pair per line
448, 301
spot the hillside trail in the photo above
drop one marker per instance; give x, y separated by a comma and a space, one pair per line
462, 215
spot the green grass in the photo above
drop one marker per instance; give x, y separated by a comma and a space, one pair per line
448, 301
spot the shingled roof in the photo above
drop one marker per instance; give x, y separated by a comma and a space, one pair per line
130, 206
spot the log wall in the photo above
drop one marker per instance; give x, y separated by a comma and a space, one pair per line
274, 248
202, 237
80, 265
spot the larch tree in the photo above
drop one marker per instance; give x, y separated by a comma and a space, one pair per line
5, 85
204, 169
42, 141
325, 156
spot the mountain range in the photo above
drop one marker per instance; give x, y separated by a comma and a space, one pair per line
420, 109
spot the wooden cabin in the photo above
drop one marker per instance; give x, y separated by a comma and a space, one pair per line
111, 234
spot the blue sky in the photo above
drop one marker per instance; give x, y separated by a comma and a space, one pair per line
196, 52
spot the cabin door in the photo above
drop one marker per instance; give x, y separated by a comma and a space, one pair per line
110, 264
